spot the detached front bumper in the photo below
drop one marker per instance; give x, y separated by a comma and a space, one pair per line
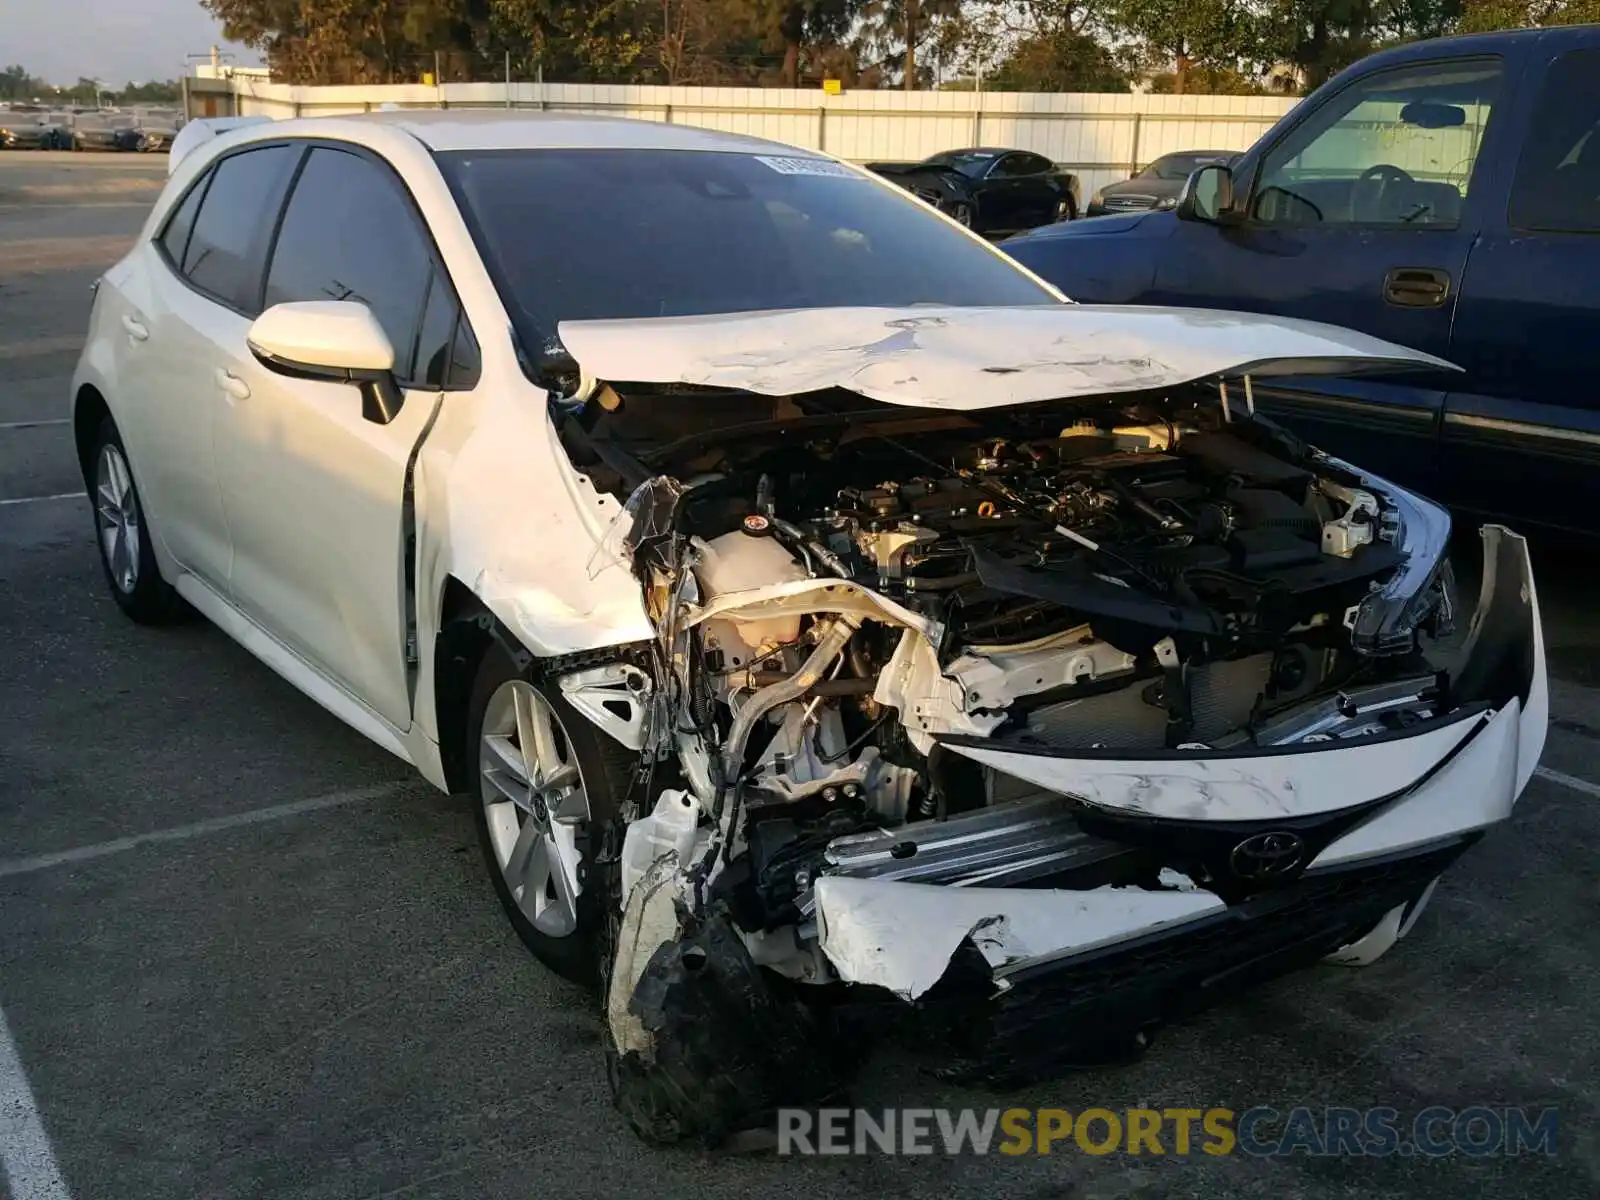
1307, 850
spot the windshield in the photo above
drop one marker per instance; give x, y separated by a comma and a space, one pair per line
968, 162
584, 234
1181, 166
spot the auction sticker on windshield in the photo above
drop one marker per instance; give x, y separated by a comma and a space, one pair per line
807, 166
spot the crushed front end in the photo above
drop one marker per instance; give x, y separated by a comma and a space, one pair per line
1033, 727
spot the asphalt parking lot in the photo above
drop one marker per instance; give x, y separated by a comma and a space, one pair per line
244, 953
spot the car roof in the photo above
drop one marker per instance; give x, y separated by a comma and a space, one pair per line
513, 129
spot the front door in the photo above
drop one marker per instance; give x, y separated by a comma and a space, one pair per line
314, 492
1363, 215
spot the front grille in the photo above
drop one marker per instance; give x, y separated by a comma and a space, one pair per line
1128, 203
1098, 1006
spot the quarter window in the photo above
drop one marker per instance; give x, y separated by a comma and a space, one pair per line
1558, 177
348, 234
175, 238
224, 254
1396, 148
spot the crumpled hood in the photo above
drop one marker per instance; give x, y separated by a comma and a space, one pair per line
965, 359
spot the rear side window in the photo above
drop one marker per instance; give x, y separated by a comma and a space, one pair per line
349, 234
225, 252
175, 238
1557, 186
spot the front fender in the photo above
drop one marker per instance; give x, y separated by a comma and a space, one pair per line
500, 508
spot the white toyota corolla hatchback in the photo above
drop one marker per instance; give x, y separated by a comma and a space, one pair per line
824, 616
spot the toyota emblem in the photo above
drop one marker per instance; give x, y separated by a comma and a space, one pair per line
1265, 856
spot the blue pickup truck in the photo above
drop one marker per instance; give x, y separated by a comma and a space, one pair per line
1444, 195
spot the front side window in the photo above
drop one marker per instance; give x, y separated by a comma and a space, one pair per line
1396, 148
225, 251
1557, 186
582, 234
348, 234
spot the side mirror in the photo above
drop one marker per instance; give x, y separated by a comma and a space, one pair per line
1207, 195
335, 340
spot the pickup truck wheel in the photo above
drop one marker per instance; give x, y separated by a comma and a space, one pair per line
123, 534
548, 783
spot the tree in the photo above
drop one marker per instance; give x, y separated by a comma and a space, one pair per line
1184, 34
1482, 15
1059, 60
16, 84
892, 33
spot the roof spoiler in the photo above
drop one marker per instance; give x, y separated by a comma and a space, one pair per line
201, 130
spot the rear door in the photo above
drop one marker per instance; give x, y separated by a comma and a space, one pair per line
1522, 437
201, 286
1361, 214
315, 492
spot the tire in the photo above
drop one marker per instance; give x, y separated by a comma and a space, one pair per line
122, 534
566, 933
961, 213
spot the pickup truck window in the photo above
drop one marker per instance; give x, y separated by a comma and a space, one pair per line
1396, 148
1558, 177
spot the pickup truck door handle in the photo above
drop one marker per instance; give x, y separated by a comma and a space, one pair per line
135, 328
232, 384
1416, 287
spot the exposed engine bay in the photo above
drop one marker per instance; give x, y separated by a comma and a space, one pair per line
840, 591
860, 608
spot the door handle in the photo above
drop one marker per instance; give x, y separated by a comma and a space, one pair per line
232, 384
1416, 287
134, 328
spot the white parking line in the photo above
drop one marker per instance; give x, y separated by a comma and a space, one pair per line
43, 499
28, 1162
1562, 779
4, 425
59, 858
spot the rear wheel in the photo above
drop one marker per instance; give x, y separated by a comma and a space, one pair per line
548, 783
123, 534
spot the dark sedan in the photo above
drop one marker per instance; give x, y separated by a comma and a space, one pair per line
91, 131
1158, 185
990, 190
32, 131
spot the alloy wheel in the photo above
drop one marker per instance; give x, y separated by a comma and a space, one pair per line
535, 806
117, 515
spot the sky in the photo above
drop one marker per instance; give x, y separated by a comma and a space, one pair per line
111, 40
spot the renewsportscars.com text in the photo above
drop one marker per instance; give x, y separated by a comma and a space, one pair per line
1479, 1131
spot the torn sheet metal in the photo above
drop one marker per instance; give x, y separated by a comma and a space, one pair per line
965, 359
796, 596
901, 936
1243, 787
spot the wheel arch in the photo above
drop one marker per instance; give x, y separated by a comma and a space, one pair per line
89, 411
467, 628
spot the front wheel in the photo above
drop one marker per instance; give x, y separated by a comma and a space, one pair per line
961, 213
548, 783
